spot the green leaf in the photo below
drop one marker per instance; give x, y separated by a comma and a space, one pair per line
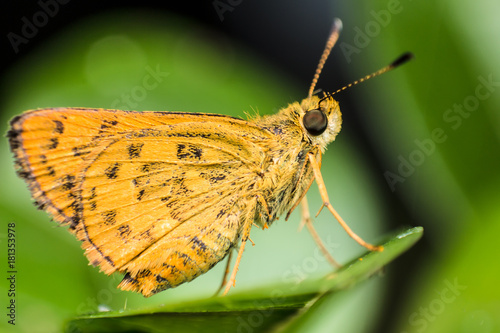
267, 309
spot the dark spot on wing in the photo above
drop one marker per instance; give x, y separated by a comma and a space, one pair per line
112, 171
198, 245
68, 182
180, 150
54, 142
14, 134
144, 235
93, 195
74, 221
108, 259
108, 123
188, 152
129, 279
109, 217
143, 273
217, 178
76, 208
134, 149
124, 231
50, 171
24, 174
150, 166
221, 213
40, 204
180, 185
59, 127
135, 182
160, 279
140, 195
79, 151
186, 258
169, 202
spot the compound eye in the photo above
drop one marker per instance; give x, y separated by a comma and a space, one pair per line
315, 122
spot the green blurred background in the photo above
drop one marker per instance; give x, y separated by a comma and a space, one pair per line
419, 146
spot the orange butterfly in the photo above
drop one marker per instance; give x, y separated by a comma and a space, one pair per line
164, 196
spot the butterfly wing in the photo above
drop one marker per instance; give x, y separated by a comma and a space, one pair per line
155, 195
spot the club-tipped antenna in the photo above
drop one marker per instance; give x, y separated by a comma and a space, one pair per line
332, 39
396, 63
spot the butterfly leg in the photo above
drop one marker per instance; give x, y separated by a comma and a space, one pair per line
305, 214
245, 235
326, 203
226, 272
302, 173
298, 202
306, 220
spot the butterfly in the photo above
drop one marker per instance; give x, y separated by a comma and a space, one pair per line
162, 197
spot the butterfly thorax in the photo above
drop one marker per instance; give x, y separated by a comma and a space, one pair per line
285, 171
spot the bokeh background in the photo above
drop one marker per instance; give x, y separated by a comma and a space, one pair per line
419, 146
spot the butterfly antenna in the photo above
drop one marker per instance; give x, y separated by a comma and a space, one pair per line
334, 36
396, 63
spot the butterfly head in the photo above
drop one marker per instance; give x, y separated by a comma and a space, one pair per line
321, 119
